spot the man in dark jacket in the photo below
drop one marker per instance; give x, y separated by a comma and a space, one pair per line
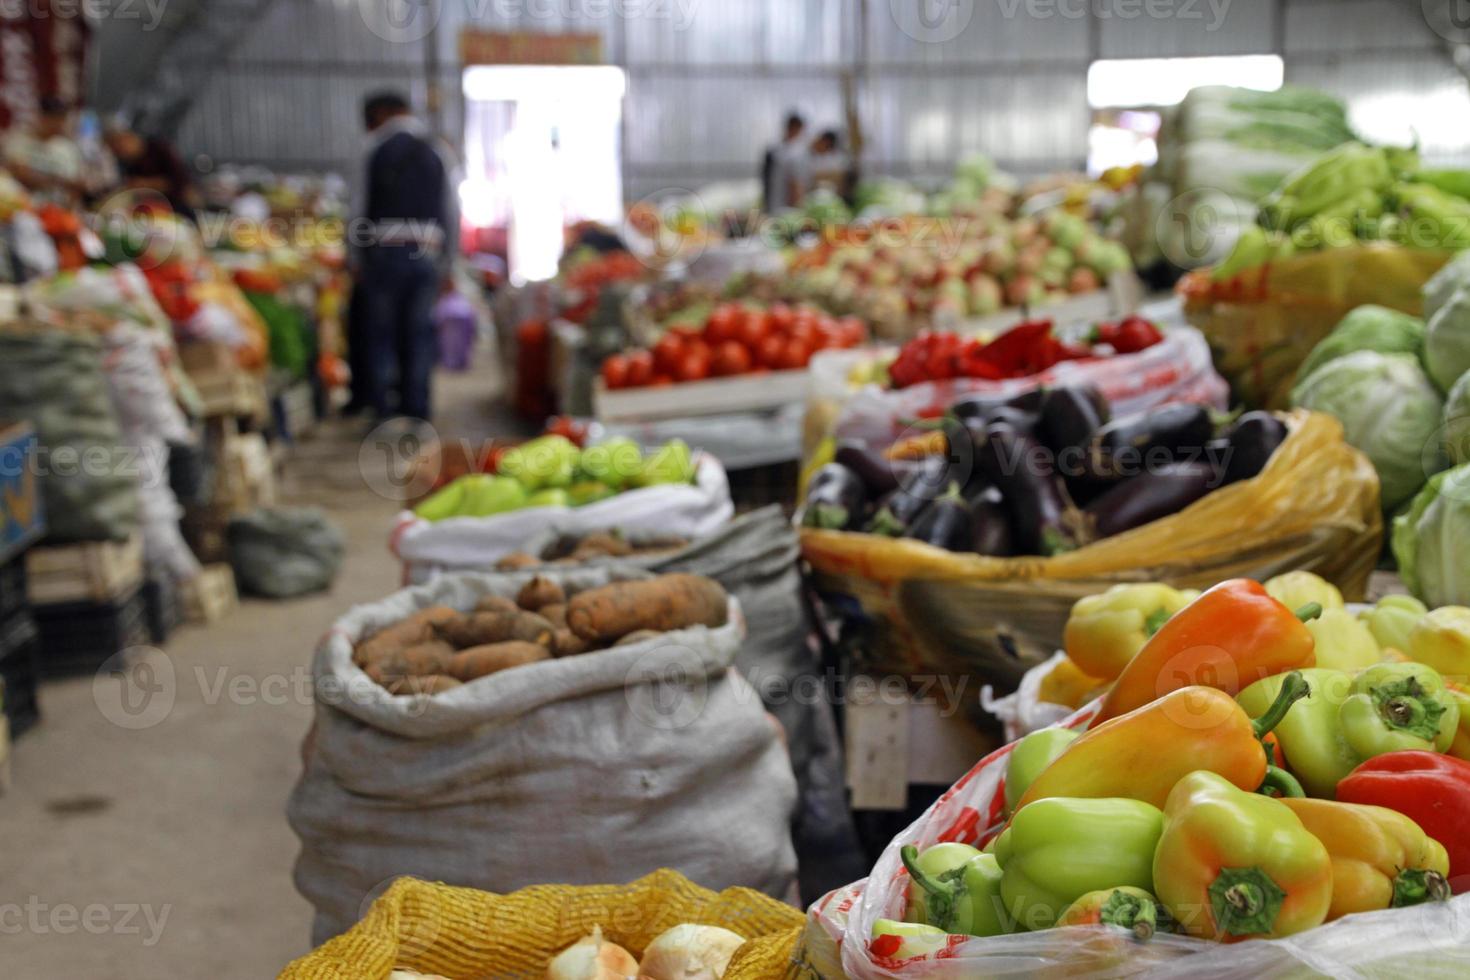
402, 238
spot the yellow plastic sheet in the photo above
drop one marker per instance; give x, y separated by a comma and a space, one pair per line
1261, 336
1315, 507
464, 933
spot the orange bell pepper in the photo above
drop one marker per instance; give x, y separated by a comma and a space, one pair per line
1380, 858
1142, 754
1234, 865
1229, 638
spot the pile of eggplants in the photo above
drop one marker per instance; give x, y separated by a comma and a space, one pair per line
1041, 473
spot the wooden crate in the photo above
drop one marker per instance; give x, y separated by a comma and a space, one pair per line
210, 595
235, 393
93, 571
717, 396
246, 475
295, 409
207, 357
204, 530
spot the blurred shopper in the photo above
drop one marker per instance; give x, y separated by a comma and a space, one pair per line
402, 236
784, 170
45, 156
151, 163
827, 165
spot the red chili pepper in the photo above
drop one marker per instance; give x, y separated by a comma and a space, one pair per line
1429, 788
1135, 334
1013, 351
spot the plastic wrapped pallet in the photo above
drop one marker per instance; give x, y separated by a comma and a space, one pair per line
1430, 940
55, 379
585, 769
281, 552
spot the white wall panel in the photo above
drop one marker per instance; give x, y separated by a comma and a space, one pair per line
1340, 27
1184, 28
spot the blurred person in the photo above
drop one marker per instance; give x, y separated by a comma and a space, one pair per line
151, 163
402, 238
827, 165
45, 157
784, 168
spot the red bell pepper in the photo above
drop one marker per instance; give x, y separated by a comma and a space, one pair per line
1429, 788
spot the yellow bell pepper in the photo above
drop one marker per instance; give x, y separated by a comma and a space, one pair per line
1392, 618
1343, 641
1105, 631
1067, 685
1295, 589
1380, 858
1460, 694
1442, 640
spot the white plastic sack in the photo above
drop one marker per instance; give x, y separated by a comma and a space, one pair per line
1425, 941
1178, 369
1022, 711
678, 509
597, 768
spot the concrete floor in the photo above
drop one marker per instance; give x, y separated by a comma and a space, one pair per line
163, 851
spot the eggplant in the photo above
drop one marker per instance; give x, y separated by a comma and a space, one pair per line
1251, 441
895, 512
879, 474
978, 406
1127, 446
1069, 416
1150, 496
1023, 471
990, 525
945, 523
835, 499
1029, 400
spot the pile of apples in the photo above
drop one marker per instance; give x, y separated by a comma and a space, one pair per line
735, 339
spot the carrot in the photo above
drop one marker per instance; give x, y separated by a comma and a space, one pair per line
496, 603
481, 628
429, 657
406, 632
431, 684
934, 443
569, 644
479, 661
669, 602
540, 591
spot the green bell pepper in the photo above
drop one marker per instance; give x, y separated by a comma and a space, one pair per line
1029, 756
905, 940
1392, 619
955, 888
547, 462
1399, 706
1058, 849
671, 463
442, 503
1311, 735
589, 492
616, 462
487, 495
551, 497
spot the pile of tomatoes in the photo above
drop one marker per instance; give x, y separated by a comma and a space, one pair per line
735, 339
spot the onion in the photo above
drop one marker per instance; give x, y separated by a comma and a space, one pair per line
590, 958
689, 952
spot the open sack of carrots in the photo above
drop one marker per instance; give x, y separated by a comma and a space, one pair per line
1226, 788
499, 730
967, 544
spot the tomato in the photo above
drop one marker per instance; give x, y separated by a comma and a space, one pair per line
804, 332
731, 357
770, 350
660, 381
694, 364
854, 332
667, 352
794, 355
615, 372
640, 368
755, 326
723, 320
829, 335
781, 316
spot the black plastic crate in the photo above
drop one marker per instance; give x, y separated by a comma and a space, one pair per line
164, 610
20, 646
79, 637
13, 587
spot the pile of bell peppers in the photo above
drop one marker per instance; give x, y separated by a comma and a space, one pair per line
551, 471
1253, 773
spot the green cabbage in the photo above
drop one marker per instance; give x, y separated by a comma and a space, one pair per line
1428, 540
1368, 328
1447, 341
1457, 421
1445, 283
1389, 411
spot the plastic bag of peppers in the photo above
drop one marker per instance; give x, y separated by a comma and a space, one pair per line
1226, 791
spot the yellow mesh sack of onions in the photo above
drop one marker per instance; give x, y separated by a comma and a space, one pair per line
463, 933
